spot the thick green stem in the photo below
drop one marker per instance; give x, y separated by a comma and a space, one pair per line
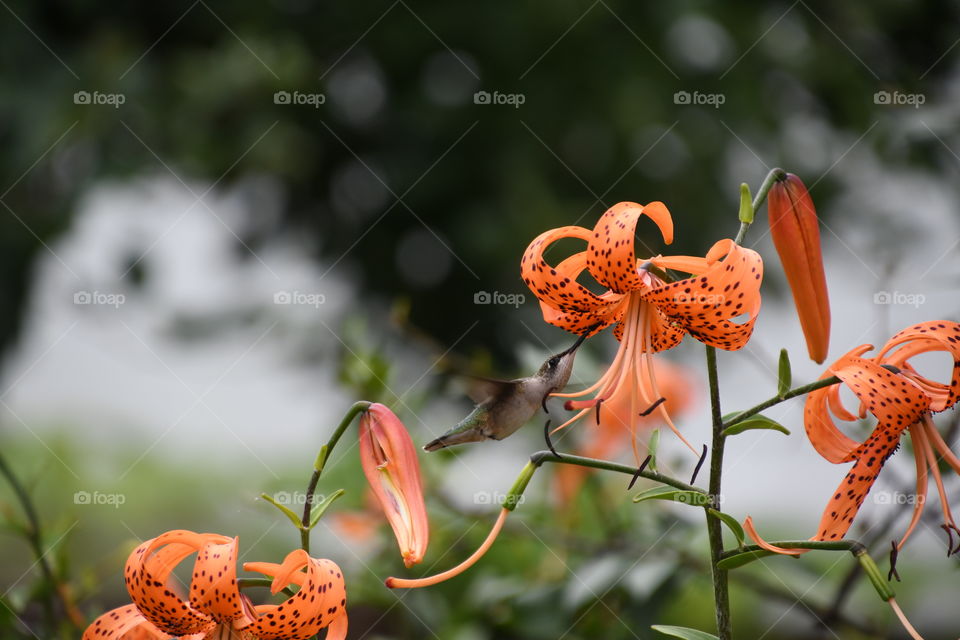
325, 451
721, 594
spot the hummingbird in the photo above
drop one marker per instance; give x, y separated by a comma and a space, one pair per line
503, 406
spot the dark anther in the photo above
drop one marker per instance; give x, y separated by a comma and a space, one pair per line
703, 456
599, 402
894, 552
950, 528
643, 465
651, 408
546, 436
543, 403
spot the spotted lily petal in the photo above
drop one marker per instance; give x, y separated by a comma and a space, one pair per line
927, 337
124, 623
706, 305
796, 235
389, 460
147, 574
319, 604
611, 256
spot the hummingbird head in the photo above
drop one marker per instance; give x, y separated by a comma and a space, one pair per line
556, 370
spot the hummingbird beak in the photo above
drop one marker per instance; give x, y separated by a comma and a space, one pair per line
576, 345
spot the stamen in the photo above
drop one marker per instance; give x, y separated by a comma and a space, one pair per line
401, 583
546, 436
903, 620
599, 402
894, 552
636, 476
703, 456
651, 408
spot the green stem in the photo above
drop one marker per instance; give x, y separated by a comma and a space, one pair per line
793, 393
321, 461
822, 545
721, 594
34, 538
540, 457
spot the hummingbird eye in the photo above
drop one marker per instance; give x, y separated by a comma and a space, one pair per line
553, 361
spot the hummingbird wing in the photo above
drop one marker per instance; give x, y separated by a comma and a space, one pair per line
480, 389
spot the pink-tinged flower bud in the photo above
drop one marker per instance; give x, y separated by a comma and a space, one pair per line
390, 463
796, 235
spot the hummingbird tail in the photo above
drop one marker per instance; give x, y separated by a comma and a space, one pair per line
454, 437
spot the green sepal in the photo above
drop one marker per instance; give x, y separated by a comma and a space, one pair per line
784, 375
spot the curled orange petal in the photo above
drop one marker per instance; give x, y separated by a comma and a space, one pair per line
611, 256
389, 460
796, 235
763, 544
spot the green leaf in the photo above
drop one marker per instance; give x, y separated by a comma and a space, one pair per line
784, 375
652, 445
693, 498
740, 559
683, 632
321, 507
755, 422
294, 518
731, 523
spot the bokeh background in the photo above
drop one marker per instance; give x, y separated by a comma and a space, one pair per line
222, 223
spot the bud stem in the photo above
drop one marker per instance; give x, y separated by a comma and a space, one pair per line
356, 409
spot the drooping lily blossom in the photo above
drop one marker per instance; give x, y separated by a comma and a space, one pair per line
902, 401
215, 607
678, 387
796, 235
717, 305
404, 583
389, 460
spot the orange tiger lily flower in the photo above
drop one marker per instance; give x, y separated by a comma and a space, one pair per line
650, 314
796, 235
215, 608
679, 388
902, 401
389, 460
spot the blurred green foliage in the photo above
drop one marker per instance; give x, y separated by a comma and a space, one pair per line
399, 177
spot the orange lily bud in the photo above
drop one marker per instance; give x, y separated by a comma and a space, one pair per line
796, 235
390, 463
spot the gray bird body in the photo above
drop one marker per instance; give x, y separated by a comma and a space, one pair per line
503, 406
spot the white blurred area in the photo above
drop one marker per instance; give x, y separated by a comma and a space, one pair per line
242, 390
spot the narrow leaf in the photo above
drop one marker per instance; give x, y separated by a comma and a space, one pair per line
731, 523
683, 632
755, 422
294, 518
740, 559
652, 445
784, 376
693, 498
321, 507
